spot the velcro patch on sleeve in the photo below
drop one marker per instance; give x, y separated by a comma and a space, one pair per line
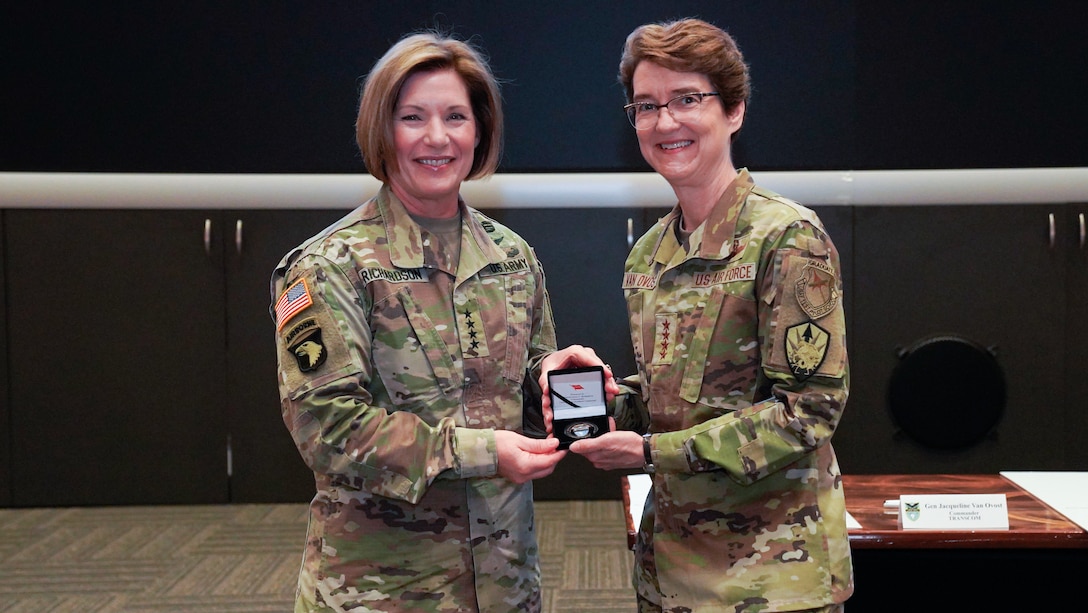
809, 323
312, 350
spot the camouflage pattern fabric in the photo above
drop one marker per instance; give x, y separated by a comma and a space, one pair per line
743, 375
396, 365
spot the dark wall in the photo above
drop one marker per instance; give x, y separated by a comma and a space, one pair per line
205, 86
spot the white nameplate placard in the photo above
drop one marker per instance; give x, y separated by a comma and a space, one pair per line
954, 512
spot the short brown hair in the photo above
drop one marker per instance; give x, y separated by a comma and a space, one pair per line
689, 45
423, 52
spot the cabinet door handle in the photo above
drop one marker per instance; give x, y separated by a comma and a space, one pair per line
1051, 217
238, 236
1080, 218
631, 232
207, 237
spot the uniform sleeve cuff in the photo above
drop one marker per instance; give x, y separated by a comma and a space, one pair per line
669, 454
474, 450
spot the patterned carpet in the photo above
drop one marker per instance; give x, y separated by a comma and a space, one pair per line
244, 558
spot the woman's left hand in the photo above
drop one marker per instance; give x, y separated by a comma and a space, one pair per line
615, 450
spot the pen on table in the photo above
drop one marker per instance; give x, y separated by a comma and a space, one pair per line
891, 504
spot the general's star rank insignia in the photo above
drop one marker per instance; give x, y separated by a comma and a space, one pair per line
470, 329
665, 337
806, 348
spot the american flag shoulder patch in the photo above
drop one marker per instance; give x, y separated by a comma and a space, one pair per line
291, 302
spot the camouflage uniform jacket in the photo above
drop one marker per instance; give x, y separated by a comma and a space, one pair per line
395, 368
741, 350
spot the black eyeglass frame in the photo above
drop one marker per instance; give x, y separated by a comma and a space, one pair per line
629, 109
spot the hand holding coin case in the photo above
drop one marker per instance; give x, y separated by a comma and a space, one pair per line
579, 405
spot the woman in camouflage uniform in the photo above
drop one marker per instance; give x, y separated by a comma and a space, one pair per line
404, 333
735, 304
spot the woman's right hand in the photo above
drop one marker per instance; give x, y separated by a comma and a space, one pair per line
523, 459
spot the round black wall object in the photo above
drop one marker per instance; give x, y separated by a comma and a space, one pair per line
947, 392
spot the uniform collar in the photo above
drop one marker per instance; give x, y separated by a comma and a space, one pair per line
406, 237
713, 239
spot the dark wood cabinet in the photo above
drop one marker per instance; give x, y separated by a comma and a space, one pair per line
1075, 238
118, 374
5, 413
990, 275
146, 373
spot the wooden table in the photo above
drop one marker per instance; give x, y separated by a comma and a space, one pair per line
1032, 523
1037, 564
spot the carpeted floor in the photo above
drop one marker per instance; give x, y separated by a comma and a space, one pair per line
244, 558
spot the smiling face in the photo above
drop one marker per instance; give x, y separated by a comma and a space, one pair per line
434, 134
692, 153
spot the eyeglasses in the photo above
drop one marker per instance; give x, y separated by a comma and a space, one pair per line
643, 115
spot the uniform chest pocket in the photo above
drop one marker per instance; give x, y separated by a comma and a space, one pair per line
723, 350
409, 353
